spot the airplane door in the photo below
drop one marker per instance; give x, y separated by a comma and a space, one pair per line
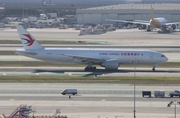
151, 56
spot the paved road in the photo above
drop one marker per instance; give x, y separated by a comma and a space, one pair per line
122, 37
95, 96
104, 100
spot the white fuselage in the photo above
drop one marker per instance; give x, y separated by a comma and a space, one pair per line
61, 55
161, 20
158, 22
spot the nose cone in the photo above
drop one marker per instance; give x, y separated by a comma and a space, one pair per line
165, 59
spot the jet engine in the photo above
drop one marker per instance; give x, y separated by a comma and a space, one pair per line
143, 27
111, 64
171, 28
148, 28
174, 26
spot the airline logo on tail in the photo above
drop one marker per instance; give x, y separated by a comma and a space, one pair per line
29, 40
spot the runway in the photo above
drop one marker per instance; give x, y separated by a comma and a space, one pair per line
79, 71
104, 100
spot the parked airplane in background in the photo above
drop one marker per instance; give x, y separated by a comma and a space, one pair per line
159, 22
111, 59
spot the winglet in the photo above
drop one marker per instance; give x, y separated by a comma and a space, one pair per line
152, 12
28, 41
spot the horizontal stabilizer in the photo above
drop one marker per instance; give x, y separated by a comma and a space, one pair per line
25, 53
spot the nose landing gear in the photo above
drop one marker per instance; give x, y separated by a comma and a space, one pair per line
153, 69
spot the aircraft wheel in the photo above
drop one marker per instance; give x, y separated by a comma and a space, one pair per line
90, 68
94, 68
87, 69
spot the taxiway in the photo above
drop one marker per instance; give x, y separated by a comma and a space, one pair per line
103, 100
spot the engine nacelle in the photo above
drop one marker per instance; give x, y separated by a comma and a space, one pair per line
148, 28
174, 26
143, 26
111, 64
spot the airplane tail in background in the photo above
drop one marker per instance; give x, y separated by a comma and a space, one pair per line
152, 12
28, 41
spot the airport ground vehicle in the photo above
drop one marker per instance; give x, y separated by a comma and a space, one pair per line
175, 93
160, 93
146, 93
69, 91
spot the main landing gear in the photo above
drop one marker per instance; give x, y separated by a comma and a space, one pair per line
90, 68
153, 69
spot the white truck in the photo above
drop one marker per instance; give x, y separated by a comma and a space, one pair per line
69, 91
32, 19
25, 20
43, 17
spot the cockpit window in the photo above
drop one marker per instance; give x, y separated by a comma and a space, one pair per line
162, 56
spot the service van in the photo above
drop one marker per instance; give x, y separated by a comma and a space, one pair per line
69, 91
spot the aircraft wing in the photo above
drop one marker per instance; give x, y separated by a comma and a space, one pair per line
172, 23
85, 59
144, 21
134, 22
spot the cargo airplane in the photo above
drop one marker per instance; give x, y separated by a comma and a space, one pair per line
159, 22
110, 59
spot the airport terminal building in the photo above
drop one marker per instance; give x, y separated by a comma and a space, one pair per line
59, 6
98, 15
94, 11
88, 3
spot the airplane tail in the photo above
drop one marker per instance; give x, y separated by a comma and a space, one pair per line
28, 41
152, 12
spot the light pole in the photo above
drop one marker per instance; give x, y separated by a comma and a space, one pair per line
175, 109
23, 9
134, 88
175, 103
43, 6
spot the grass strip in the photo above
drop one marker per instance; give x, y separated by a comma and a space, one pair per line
48, 64
91, 79
11, 53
